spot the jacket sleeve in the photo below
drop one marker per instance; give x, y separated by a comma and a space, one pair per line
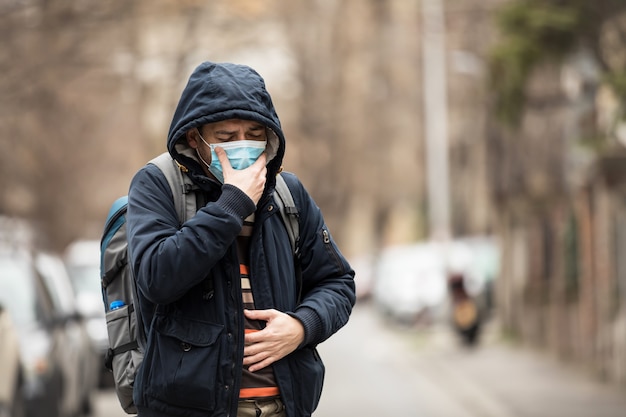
328, 292
169, 259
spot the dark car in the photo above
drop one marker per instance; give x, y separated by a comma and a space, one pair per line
49, 332
80, 363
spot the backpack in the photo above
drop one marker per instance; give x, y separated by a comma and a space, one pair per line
126, 334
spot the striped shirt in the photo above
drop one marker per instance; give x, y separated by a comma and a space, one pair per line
262, 383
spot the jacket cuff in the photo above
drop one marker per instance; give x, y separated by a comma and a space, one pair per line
236, 202
311, 323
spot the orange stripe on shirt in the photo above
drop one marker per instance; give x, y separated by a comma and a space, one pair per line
259, 392
243, 269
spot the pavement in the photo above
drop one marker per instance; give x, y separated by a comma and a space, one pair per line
498, 378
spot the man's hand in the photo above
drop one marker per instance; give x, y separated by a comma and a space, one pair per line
281, 336
250, 180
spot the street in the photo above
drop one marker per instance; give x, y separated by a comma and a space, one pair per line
374, 369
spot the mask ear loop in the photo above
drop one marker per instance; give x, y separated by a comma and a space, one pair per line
198, 152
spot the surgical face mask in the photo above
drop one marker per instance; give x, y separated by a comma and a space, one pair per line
241, 154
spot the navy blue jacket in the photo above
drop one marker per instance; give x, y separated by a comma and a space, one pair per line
188, 275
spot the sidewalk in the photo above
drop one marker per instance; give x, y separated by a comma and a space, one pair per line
496, 379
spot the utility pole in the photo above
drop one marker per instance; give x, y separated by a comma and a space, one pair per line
436, 118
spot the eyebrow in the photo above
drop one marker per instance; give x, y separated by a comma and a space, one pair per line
232, 132
225, 132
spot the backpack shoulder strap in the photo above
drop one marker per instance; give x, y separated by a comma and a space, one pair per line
290, 216
183, 189
288, 211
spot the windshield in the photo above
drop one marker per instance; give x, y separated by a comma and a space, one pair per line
17, 293
85, 278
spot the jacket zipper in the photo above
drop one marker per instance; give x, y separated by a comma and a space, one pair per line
331, 250
234, 289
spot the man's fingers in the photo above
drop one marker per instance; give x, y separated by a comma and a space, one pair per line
264, 315
262, 160
260, 365
221, 155
259, 356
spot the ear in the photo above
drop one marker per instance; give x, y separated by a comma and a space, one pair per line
193, 138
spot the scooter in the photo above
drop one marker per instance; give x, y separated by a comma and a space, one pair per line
466, 318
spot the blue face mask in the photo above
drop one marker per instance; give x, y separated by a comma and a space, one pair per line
241, 154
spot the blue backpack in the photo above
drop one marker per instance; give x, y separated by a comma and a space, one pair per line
127, 338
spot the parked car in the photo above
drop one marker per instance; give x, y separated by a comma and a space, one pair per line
80, 364
11, 404
49, 333
82, 259
477, 258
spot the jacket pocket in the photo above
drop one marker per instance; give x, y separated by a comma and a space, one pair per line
308, 372
183, 357
332, 251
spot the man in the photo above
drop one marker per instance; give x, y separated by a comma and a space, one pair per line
231, 330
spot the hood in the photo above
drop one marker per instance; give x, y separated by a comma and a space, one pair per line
221, 91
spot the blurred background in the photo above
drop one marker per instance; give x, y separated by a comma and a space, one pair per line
459, 149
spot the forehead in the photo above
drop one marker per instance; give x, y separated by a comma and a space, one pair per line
232, 125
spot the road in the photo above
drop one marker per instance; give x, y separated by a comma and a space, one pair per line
374, 369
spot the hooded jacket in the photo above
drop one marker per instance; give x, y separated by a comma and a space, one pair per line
188, 275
